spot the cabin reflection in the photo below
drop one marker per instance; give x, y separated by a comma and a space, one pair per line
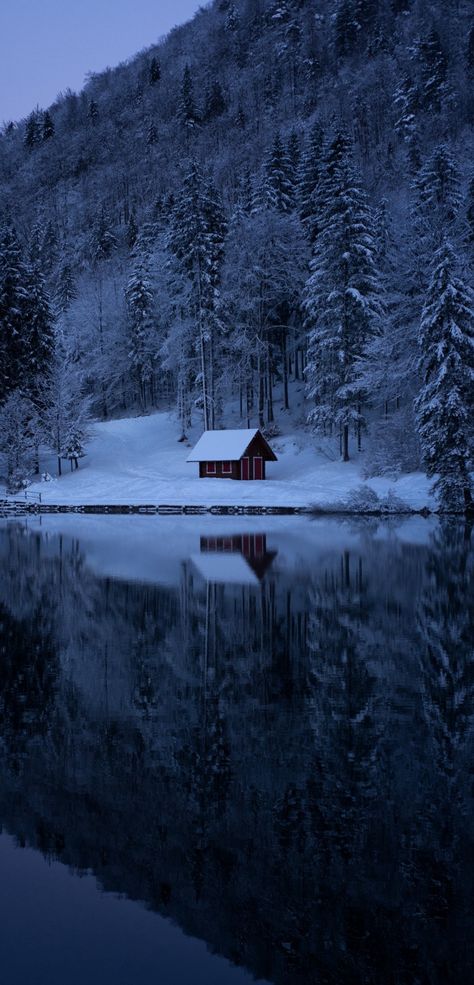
241, 559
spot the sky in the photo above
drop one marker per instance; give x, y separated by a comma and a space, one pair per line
48, 46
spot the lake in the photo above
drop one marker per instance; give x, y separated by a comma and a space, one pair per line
236, 750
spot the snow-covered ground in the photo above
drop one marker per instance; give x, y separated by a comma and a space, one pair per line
139, 461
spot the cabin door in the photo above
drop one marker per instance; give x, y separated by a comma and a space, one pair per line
258, 468
245, 468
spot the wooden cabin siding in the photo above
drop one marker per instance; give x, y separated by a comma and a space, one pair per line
219, 471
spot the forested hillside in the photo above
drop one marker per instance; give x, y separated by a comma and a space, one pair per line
279, 190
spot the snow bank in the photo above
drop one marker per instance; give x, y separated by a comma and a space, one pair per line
140, 461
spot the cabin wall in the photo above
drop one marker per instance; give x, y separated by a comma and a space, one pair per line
219, 473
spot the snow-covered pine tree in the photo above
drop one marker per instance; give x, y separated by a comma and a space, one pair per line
38, 333
18, 439
389, 366
103, 240
196, 238
438, 195
262, 284
445, 404
434, 70
14, 312
154, 73
406, 103
294, 156
64, 406
140, 304
187, 112
93, 111
215, 104
469, 231
66, 289
47, 128
279, 182
342, 298
132, 230
33, 131
151, 134
309, 175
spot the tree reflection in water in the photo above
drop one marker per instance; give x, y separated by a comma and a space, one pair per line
280, 758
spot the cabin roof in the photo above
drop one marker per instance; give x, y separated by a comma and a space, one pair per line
225, 446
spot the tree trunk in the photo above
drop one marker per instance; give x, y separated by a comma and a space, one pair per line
59, 466
249, 403
261, 393
269, 380
202, 346
345, 443
286, 370
297, 363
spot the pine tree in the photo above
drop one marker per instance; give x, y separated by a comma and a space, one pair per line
342, 301
64, 406
38, 333
33, 134
232, 18
14, 312
47, 130
187, 113
310, 173
294, 153
132, 230
347, 29
279, 182
470, 54
406, 103
103, 238
152, 134
434, 70
215, 102
18, 438
66, 290
388, 369
438, 191
140, 305
154, 74
196, 238
445, 403
93, 111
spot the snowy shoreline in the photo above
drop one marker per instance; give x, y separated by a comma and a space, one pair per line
20, 508
137, 463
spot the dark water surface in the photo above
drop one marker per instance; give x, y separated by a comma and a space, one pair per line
231, 753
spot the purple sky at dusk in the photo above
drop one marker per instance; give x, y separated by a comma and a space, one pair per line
47, 46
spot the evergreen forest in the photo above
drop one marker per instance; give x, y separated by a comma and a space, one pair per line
267, 216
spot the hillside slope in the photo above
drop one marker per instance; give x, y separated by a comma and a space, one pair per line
139, 461
258, 200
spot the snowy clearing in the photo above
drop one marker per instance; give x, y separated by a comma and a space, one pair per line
140, 461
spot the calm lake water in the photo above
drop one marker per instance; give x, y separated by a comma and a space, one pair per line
233, 750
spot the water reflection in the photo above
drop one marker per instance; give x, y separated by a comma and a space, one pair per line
274, 746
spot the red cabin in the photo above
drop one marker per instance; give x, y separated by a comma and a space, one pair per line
239, 454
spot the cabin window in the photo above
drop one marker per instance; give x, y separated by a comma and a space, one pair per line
211, 468
227, 467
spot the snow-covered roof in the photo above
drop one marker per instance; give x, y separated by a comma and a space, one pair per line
222, 446
224, 569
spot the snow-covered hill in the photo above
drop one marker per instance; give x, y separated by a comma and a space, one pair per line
139, 461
